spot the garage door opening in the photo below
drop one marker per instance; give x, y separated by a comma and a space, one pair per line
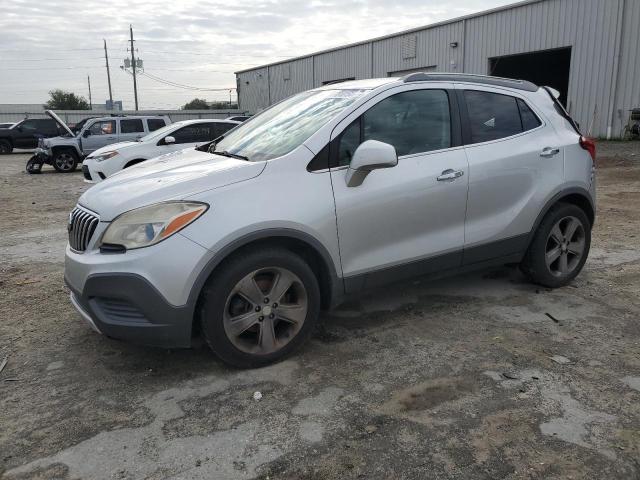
545, 68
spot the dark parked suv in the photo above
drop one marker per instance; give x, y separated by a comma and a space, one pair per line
26, 133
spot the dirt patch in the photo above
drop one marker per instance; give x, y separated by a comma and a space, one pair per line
449, 379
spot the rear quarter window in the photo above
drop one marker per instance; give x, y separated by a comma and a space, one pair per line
529, 119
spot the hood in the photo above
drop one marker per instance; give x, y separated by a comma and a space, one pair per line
113, 146
173, 176
53, 115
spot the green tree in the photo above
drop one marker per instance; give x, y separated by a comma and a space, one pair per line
61, 100
196, 104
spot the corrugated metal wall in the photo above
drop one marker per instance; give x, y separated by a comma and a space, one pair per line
628, 81
602, 86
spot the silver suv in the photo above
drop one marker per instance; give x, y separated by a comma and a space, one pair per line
64, 153
324, 194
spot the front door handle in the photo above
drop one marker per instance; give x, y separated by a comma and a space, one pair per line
549, 152
450, 174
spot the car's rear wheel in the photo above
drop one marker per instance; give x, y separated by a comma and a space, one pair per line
5, 147
559, 248
65, 161
259, 307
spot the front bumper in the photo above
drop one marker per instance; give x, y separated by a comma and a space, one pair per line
127, 307
90, 171
143, 296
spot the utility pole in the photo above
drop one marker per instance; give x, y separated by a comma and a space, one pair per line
89, 83
106, 59
133, 66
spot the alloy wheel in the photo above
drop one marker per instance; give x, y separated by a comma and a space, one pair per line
265, 310
65, 161
565, 246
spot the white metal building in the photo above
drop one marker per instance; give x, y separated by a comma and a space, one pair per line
589, 50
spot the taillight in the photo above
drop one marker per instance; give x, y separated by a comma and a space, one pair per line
589, 145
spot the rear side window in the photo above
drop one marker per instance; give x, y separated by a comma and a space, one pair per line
131, 126
221, 128
413, 122
203, 132
492, 116
529, 119
155, 124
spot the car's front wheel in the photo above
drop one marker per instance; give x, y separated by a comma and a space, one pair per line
65, 161
5, 147
259, 307
559, 247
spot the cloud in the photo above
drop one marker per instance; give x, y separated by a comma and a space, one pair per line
195, 43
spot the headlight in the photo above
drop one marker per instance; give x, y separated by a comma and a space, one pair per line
104, 156
147, 226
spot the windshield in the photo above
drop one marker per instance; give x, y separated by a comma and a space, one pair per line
286, 125
160, 132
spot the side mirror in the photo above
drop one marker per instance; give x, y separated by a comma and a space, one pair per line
86, 133
169, 140
370, 155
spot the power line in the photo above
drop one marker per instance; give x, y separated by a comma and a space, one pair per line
183, 86
50, 59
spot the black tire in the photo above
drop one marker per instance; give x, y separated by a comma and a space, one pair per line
65, 161
34, 165
218, 292
544, 246
5, 147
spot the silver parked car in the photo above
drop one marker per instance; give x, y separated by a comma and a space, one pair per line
329, 192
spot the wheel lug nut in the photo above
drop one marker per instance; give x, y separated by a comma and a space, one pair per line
266, 300
275, 305
272, 316
258, 308
260, 319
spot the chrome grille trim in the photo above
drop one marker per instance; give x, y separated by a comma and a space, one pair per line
82, 225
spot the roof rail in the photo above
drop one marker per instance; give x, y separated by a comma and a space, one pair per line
467, 77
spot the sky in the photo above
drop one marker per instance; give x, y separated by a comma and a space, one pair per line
57, 44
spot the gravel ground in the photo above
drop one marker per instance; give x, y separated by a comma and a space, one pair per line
478, 376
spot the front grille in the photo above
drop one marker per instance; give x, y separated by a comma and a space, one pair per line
81, 226
85, 172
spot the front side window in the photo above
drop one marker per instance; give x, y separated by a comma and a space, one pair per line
107, 127
492, 116
29, 126
413, 122
286, 125
131, 126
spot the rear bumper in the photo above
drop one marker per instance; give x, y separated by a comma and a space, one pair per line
127, 307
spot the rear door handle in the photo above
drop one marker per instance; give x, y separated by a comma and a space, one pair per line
549, 152
450, 174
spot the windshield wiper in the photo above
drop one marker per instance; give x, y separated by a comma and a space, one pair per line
231, 155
